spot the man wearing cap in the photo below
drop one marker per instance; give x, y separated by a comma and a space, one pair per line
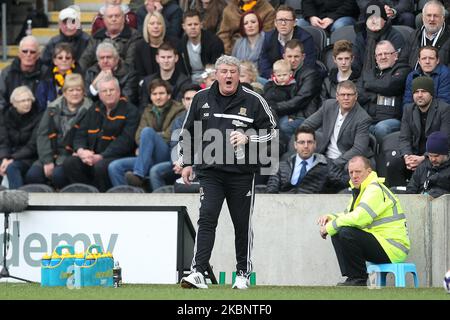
432, 176
70, 32
420, 118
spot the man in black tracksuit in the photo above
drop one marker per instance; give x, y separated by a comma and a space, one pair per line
220, 110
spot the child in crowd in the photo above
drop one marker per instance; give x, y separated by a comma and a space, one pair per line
208, 77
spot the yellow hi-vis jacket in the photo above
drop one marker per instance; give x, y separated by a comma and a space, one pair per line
377, 211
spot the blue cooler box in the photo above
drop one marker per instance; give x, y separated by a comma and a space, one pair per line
97, 269
57, 268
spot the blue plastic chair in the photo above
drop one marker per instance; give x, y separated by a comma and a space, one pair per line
398, 269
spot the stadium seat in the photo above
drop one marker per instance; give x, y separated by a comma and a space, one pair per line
398, 269
164, 189
79, 187
36, 187
388, 149
344, 33
327, 58
404, 30
320, 38
125, 188
296, 5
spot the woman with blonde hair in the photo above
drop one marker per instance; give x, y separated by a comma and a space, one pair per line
154, 35
170, 10
18, 136
56, 131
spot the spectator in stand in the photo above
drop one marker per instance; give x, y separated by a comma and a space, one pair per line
420, 118
56, 132
18, 127
166, 58
229, 27
249, 46
249, 75
373, 29
306, 99
130, 16
199, 47
432, 176
342, 58
434, 32
345, 128
152, 136
429, 65
26, 69
400, 12
110, 64
328, 14
209, 76
105, 134
305, 171
123, 37
165, 171
50, 88
154, 35
275, 41
211, 12
281, 87
69, 32
169, 9
381, 90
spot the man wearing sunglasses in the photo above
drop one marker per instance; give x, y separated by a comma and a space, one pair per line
26, 69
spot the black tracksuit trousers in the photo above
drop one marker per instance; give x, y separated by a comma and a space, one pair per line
238, 190
353, 248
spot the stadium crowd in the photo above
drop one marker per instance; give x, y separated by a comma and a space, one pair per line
345, 78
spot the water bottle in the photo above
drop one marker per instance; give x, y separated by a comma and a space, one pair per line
239, 151
117, 275
29, 27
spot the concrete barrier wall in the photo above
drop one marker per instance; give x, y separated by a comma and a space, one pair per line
288, 249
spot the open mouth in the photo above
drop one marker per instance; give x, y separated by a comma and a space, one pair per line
228, 82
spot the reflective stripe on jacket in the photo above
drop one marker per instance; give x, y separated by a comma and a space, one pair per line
377, 211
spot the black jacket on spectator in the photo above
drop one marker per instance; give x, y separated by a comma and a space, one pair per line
330, 83
319, 179
126, 76
18, 133
387, 83
78, 41
364, 46
145, 57
442, 44
173, 17
177, 81
306, 100
329, 9
273, 51
432, 180
12, 77
438, 119
111, 136
212, 48
125, 44
274, 93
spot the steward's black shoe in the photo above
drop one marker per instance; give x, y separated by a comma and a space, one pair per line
353, 282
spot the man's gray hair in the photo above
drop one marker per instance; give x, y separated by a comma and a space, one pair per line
347, 84
108, 46
110, 5
19, 91
436, 3
107, 78
228, 60
31, 39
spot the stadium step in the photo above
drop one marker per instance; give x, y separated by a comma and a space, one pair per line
86, 17
4, 64
92, 5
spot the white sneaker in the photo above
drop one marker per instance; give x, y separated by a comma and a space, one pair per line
195, 280
240, 282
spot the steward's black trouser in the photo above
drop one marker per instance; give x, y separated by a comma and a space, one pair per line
353, 248
238, 190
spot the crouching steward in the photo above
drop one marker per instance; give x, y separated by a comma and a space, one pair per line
238, 118
106, 133
372, 228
